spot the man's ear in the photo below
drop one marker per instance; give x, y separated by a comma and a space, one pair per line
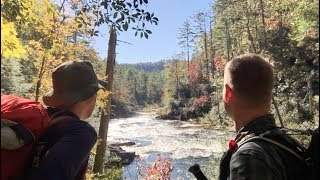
228, 93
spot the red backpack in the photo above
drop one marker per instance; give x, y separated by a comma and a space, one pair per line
28, 120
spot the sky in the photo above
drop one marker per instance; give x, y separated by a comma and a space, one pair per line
163, 43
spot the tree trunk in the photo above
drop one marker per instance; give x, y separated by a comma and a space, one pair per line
250, 37
299, 110
228, 39
310, 92
212, 52
277, 111
105, 114
41, 71
176, 73
188, 53
266, 47
263, 25
218, 99
38, 90
206, 53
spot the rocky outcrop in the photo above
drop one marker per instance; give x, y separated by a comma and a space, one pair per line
116, 151
122, 144
181, 117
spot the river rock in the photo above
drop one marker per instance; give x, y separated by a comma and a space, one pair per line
116, 150
123, 144
167, 117
181, 117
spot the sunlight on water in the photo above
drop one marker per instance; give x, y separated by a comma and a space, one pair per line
185, 142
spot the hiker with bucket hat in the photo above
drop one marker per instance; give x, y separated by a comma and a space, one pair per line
63, 151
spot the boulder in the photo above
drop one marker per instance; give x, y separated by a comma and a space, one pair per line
125, 157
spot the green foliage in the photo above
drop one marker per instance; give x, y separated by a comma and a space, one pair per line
186, 37
136, 85
44, 35
305, 20
114, 171
118, 14
285, 32
12, 79
150, 66
155, 88
216, 116
189, 101
114, 174
174, 76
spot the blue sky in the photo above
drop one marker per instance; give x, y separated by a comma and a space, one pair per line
163, 42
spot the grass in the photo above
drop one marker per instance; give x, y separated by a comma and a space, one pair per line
113, 171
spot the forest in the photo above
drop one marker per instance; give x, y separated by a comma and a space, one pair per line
36, 36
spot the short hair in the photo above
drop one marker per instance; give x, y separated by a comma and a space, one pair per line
251, 78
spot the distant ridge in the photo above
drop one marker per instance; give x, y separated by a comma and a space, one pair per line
148, 66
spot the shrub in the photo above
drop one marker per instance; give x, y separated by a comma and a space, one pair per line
201, 105
160, 169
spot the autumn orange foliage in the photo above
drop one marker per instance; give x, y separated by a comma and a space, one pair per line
160, 169
219, 63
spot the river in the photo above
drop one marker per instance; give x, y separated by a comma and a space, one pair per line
185, 142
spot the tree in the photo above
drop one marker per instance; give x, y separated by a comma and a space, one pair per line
201, 24
285, 32
250, 37
105, 114
12, 80
186, 36
44, 32
212, 50
137, 85
10, 44
174, 76
155, 88
118, 15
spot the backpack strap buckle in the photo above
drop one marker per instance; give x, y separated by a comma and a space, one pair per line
309, 161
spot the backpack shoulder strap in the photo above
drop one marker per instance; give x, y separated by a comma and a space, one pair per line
58, 117
262, 136
43, 145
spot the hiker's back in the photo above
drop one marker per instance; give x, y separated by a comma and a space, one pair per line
22, 123
297, 159
273, 156
63, 150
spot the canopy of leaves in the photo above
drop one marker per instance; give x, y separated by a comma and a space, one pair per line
44, 34
115, 13
10, 44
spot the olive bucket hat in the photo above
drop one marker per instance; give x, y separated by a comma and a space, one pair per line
73, 81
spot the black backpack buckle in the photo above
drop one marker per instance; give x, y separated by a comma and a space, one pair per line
309, 161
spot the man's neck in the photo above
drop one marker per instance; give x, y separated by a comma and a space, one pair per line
243, 117
78, 111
